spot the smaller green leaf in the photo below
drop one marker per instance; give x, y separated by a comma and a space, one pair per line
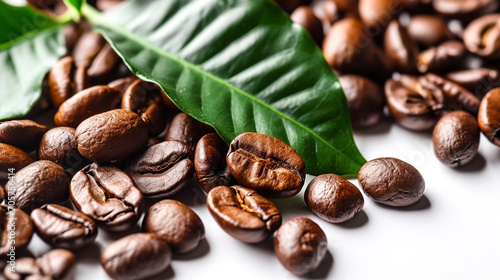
77, 4
75, 8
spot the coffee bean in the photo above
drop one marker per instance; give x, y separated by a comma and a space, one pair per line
58, 264
327, 12
61, 227
333, 198
456, 138
429, 30
266, 164
136, 256
112, 135
365, 100
376, 14
59, 145
175, 223
24, 134
2, 194
144, 98
65, 79
108, 196
479, 81
401, 50
23, 229
391, 181
300, 245
12, 158
186, 129
482, 37
162, 170
464, 9
439, 59
103, 64
53, 7
489, 116
305, 16
122, 84
210, 162
243, 213
85, 104
40, 183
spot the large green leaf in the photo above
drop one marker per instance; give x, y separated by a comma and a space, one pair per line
239, 66
30, 44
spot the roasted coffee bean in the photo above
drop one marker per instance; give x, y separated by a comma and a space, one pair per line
13, 220
464, 9
65, 79
52, 7
333, 198
72, 32
439, 59
391, 181
376, 14
61, 227
243, 213
175, 223
144, 98
400, 49
327, 12
12, 159
58, 264
24, 134
87, 48
87, 103
210, 162
59, 145
162, 170
305, 16
489, 116
186, 129
136, 256
112, 135
456, 138
2, 194
122, 84
266, 164
365, 100
429, 30
300, 245
482, 36
479, 81
40, 183
289, 5
108, 196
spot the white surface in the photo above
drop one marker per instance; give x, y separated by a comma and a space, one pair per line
452, 233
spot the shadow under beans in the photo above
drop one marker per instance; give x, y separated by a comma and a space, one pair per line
293, 206
115, 235
477, 164
166, 274
201, 250
324, 268
359, 220
192, 194
266, 245
89, 253
423, 204
382, 127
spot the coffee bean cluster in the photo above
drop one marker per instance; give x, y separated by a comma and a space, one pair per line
432, 64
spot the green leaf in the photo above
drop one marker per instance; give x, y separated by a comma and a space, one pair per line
30, 44
77, 4
239, 66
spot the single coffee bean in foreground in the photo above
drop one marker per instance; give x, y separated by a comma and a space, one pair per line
112, 135
489, 116
333, 198
210, 162
175, 223
24, 134
16, 230
136, 256
65, 79
64, 228
243, 213
186, 129
108, 196
58, 264
391, 181
59, 145
266, 164
456, 138
300, 245
13, 159
40, 183
162, 170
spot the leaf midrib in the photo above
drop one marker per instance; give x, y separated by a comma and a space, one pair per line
95, 19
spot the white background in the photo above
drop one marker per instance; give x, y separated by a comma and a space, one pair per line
452, 233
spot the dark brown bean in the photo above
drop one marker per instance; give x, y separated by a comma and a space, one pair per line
24, 134
162, 170
122, 84
391, 181
429, 30
210, 162
327, 12
266, 164
16, 230
87, 48
479, 81
2, 194
186, 129
112, 135
87, 103
136, 256
439, 59
401, 50
376, 14
40, 183
333, 198
482, 36
464, 9
300, 245
65, 79
108, 196
305, 16
175, 223
61, 227
13, 159
52, 7
456, 138
58, 264
103, 64
489, 116
243, 213
59, 145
